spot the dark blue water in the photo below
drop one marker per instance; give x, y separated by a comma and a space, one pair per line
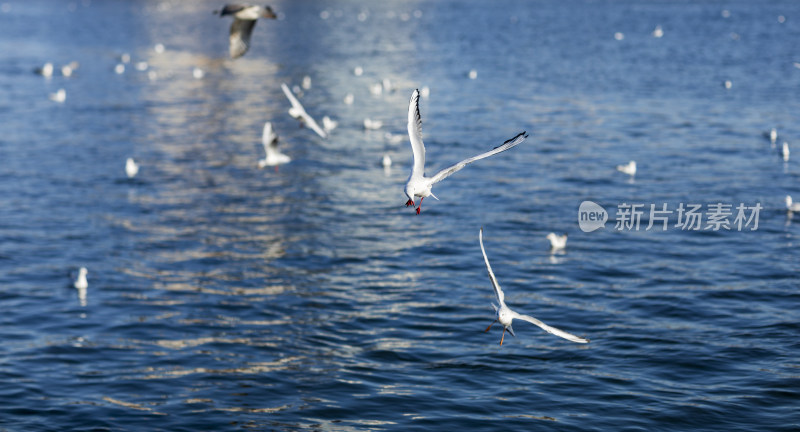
224, 297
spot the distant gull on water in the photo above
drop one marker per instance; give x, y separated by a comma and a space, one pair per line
629, 168
131, 168
81, 283
792, 206
557, 242
60, 96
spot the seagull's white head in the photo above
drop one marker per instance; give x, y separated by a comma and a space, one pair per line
410, 194
82, 272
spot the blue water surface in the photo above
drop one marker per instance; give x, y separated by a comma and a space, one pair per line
224, 297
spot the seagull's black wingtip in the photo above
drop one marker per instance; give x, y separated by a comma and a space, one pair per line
516, 137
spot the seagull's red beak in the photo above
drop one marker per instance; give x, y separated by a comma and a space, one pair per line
409, 203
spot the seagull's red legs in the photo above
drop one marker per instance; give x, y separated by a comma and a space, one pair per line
490, 326
503, 337
419, 207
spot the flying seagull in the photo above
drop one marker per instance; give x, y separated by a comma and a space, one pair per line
297, 111
244, 19
420, 186
273, 156
505, 315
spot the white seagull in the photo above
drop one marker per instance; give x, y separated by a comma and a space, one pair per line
273, 156
418, 185
298, 112
629, 168
772, 135
81, 283
505, 315
557, 242
46, 70
244, 19
60, 96
131, 168
328, 124
792, 206
785, 151
370, 124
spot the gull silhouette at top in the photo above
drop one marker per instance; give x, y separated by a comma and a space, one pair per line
505, 315
418, 185
244, 19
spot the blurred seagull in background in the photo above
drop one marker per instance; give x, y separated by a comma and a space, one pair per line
298, 112
658, 32
420, 186
60, 96
772, 135
629, 168
273, 156
505, 315
785, 151
370, 124
557, 242
131, 168
328, 124
46, 70
244, 19
792, 206
81, 283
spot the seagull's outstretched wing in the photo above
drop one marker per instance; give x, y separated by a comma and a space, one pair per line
549, 329
269, 139
314, 126
240, 37
309, 121
497, 291
289, 95
230, 9
443, 174
415, 135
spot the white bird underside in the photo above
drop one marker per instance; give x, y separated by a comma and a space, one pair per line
506, 315
239, 38
273, 156
297, 111
418, 185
